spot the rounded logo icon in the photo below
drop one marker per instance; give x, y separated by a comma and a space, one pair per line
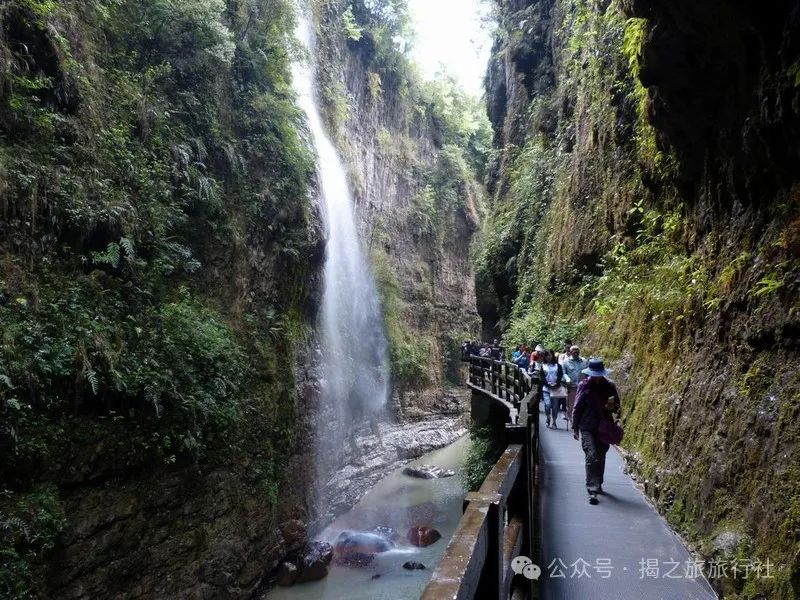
532, 571
519, 563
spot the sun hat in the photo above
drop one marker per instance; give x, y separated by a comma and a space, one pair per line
539, 348
596, 368
573, 348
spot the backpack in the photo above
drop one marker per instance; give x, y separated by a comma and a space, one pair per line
609, 432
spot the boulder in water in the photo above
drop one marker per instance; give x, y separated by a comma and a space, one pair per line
314, 561
413, 565
428, 472
287, 574
355, 560
357, 548
388, 533
361, 541
422, 535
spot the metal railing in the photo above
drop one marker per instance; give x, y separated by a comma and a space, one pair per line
498, 520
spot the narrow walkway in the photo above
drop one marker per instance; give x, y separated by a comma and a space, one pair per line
623, 533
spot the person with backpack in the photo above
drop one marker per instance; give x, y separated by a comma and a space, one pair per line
596, 403
551, 380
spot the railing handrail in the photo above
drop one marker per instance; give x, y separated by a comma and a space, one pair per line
458, 574
497, 524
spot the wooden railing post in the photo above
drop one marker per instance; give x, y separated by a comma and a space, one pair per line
491, 583
475, 562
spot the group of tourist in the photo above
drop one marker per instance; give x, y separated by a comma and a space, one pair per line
558, 373
581, 388
570, 383
482, 349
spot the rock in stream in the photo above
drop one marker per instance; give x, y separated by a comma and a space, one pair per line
428, 472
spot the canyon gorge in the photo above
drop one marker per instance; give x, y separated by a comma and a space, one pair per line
630, 180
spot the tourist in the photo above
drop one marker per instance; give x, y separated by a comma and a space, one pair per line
516, 354
597, 400
521, 349
563, 356
551, 379
523, 361
537, 359
573, 367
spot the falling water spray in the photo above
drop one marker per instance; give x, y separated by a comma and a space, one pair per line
354, 347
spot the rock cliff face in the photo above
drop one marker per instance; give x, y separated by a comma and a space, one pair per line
648, 167
160, 262
159, 275
395, 153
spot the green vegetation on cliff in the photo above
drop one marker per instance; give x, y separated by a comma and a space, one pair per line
149, 161
636, 220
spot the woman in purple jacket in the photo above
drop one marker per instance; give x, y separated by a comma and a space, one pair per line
596, 400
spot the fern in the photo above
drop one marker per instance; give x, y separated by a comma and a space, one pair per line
110, 256
767, 285
94, 381
773, 281
127, 245
351, 27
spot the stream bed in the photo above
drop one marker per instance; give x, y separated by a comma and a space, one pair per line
398, 501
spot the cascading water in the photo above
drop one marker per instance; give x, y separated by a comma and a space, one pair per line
354, 391
354, 347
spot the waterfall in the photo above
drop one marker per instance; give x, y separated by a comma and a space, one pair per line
354, 347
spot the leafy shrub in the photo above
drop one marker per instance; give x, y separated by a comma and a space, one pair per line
29, 526
143, 141
411, 354
175, 367
536, 327
484, 451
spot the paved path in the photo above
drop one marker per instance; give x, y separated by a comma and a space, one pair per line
624, 529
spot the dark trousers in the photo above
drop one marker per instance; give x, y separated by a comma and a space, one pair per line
595, 452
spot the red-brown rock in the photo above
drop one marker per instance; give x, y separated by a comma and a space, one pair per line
421, 535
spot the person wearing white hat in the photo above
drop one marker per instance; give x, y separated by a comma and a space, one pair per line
537, 359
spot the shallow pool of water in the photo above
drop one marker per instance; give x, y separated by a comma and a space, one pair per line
397, 501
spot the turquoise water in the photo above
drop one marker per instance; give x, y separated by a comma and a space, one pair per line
397, 501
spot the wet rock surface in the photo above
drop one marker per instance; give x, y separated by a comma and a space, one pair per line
310, 564
412, 565
287, 574
384, 449
363, 542
422, 535
314, 562
428, 472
